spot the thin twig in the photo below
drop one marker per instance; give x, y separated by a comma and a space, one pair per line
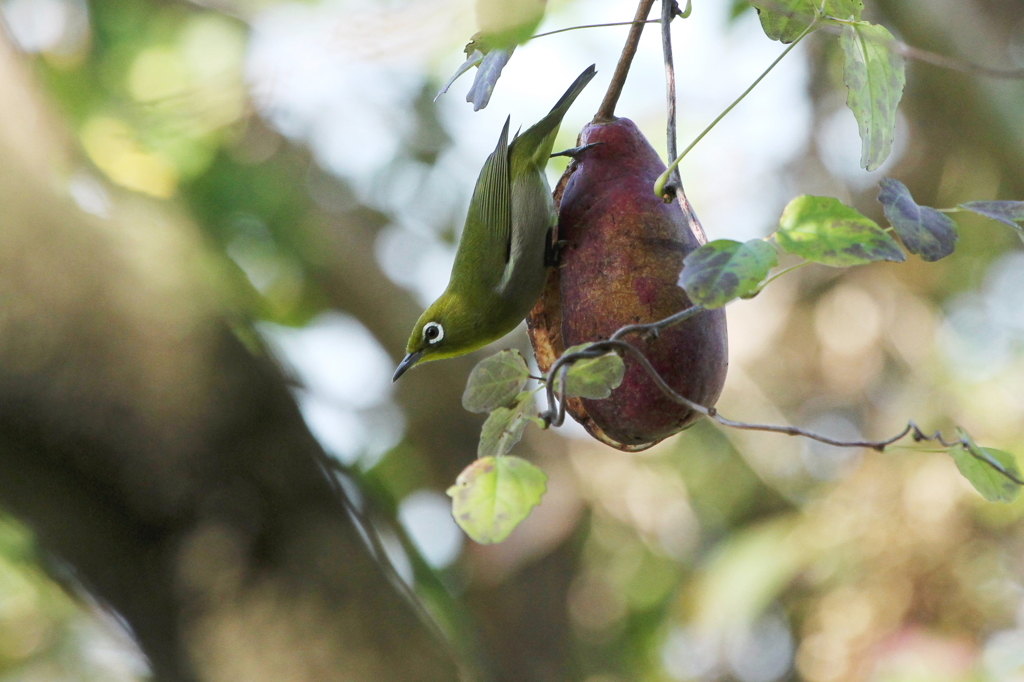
606, 112
575, 28
898, 46
333, 469
600, 347
555, 414
955, 64
669, 9
933, 58
654, 328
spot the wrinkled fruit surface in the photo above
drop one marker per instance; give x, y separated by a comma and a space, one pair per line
620, 266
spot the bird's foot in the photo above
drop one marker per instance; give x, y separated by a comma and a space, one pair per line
553, 252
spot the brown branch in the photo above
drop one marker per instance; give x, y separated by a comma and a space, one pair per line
556, 416
164, 462
606, 112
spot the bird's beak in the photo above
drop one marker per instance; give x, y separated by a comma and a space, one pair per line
410, 360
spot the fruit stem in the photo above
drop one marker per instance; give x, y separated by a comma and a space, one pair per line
606, 112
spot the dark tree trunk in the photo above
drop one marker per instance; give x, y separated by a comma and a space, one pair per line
161, 459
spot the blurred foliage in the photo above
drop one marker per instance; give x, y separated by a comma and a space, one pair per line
718, 555
44, 633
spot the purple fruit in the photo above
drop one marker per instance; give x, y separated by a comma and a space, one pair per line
621, 263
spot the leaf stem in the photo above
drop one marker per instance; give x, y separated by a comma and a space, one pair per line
606, 112
780, 273
659, 185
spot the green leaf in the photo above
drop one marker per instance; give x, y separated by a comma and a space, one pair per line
1009, 212
504, 427
824, 230
592, 377
507, 23
494, 494
874, 73
724, 269
987, 469
925, 231
785, 20
495, 381
737, 8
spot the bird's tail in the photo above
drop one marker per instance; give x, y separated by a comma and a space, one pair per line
536, 142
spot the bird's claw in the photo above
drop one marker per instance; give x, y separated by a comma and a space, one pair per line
553, 252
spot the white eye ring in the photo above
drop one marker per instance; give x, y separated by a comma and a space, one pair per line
433, 332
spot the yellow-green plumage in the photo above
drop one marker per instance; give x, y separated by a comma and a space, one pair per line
499, 268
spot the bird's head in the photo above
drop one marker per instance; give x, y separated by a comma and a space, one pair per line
445, 330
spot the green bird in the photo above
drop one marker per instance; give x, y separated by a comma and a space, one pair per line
501, 263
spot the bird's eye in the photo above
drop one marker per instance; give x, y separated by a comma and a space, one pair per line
433, 332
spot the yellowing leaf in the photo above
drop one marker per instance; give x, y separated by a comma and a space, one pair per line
724, 269
824, 230
874, 74
494, 494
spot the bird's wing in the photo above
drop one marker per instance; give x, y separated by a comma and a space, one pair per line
534, 145
486, 244
496, 200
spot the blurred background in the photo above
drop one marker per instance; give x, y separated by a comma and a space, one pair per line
301, 142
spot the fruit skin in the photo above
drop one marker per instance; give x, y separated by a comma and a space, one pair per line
621, 264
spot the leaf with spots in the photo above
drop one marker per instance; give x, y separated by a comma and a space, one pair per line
825, 230
874, 74
785, 20
724, 269
993, 473
1008, 212
494, 494
593, 377
925, 231
495, 381
504, 427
